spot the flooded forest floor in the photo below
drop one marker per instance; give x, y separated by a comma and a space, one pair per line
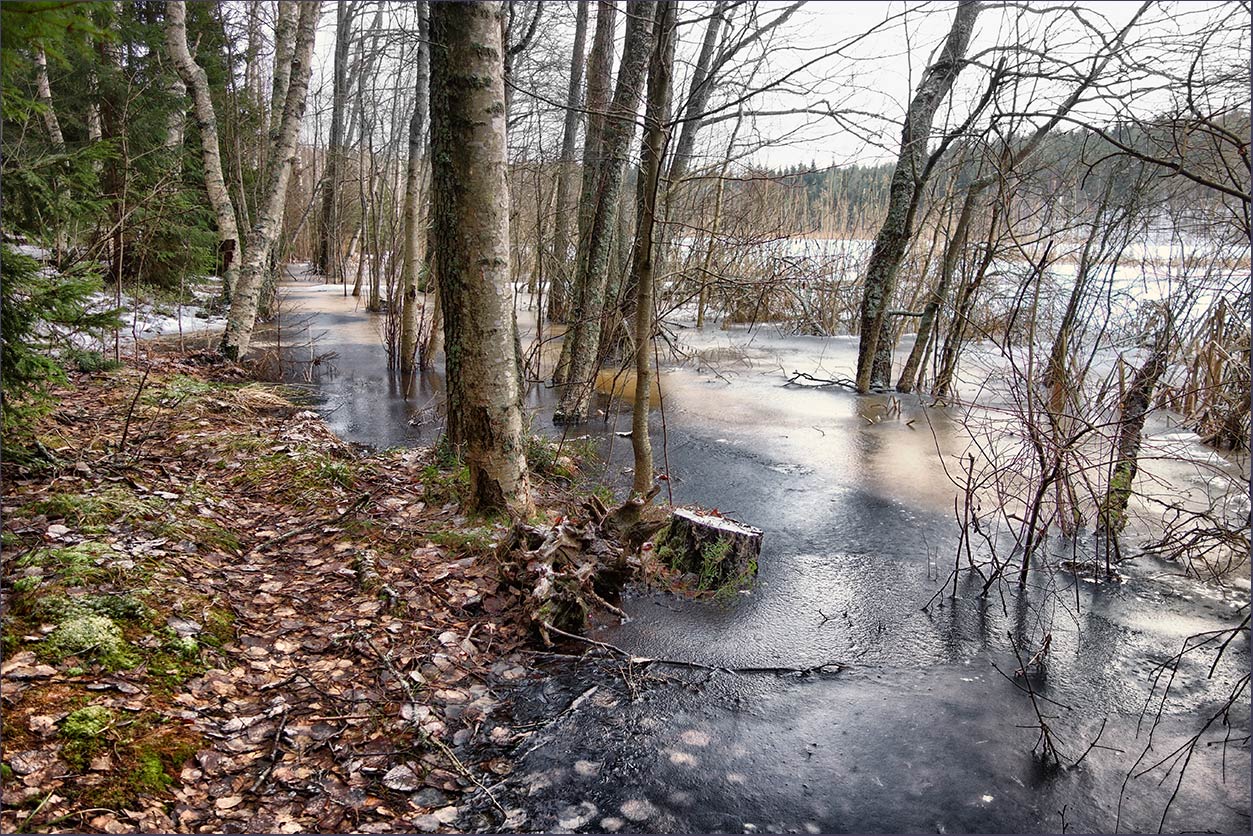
234, 606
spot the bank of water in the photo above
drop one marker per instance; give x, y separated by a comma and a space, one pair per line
925, 728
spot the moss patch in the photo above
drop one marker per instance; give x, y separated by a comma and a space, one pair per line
89, 636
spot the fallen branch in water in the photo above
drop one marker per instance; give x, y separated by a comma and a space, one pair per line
827, 667
818, 382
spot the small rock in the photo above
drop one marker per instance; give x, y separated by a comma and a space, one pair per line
447, 815
429, 797
56, 531
611, 824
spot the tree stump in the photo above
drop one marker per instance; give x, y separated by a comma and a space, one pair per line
718, 550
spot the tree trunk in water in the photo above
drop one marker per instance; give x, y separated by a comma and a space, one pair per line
952, 251
593, 275
327, 262
599, 65
903, 198
284, 44
963, 307
656, 114
413, 177
256, 262
1134, 409
470, 212
559, 281
206, 119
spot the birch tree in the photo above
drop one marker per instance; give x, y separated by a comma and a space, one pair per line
470, 214
243, 312
413, 185
206, 120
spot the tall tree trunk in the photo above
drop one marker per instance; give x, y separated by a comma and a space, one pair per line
243, 313
599, 66
206, 120
327, 230
906, 190
656, 116
413, 184
593, 274
559, 282
470, 213
284, 44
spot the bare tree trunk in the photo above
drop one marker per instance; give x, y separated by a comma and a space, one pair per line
470, 203
206, 119
907, 184
599, 65
243, 313
413, 184
559, 284
699, 91
327, 231
656, 116
593, 274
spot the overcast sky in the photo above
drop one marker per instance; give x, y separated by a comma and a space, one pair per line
828, 60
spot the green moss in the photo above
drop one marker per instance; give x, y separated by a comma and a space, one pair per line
6, 772
24, 585
219, 627
74, 565
8, 539
92, 512
89, 636
86, 723
149, 775
59, 608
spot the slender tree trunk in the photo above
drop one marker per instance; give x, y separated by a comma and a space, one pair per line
206, 120
907, 184
599, 66
43, 91
656, 116
470, 203
327, 230
284, 44
560, 275
593, 274
243, 313
413, 184
948, 264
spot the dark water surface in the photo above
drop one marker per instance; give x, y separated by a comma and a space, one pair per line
918, 731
